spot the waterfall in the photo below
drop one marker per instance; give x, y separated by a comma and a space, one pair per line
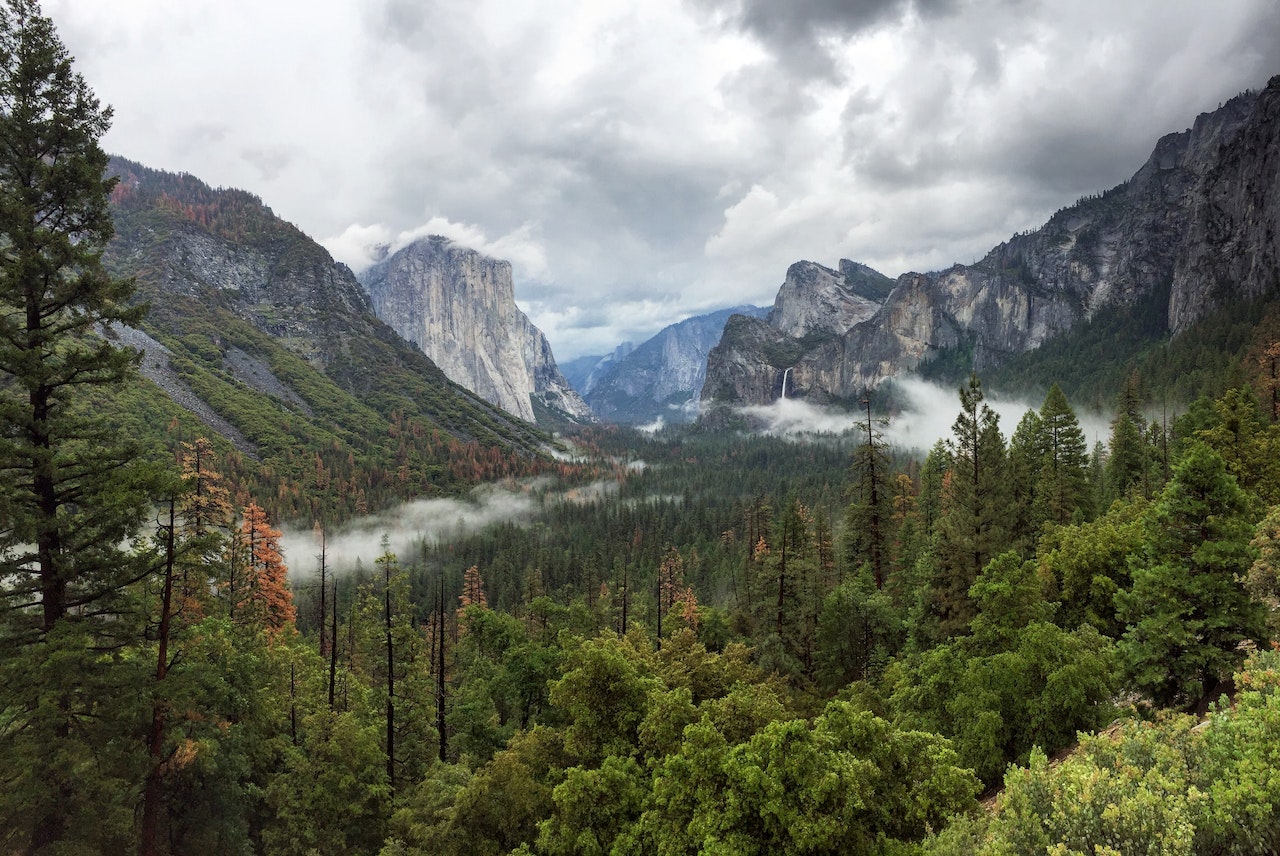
784, 382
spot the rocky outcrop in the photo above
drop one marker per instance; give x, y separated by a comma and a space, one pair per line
459, 307
814, 308
816, 299
663, 377
549, 386
1195, 227
155, 367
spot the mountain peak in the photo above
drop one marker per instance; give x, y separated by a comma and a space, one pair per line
459, 307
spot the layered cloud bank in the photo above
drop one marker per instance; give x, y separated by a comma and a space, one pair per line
640, 163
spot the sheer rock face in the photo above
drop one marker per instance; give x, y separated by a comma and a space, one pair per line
459, 307
817, 299
1199, 222
814, 308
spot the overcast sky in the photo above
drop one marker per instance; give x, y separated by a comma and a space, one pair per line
640, 162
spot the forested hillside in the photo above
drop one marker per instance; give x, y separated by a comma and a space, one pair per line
694, 642
271, 347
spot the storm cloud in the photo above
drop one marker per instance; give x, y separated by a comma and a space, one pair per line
639, 163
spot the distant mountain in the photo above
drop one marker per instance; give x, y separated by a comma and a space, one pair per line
1197, 227
259, 337
587, 371
578, 370
663, 376
459, 307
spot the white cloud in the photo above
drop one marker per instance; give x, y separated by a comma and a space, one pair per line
927, 412
359, 246
403, 528
667, 157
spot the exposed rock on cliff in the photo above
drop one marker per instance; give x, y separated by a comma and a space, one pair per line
459, 307
1195, 227
815, 307
815, 299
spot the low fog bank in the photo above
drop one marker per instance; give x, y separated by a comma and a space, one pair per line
431, 520
795, 418
928, 410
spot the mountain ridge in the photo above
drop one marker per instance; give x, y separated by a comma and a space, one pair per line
1195, 225
663, 376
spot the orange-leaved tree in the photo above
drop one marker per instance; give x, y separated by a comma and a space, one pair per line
262, 588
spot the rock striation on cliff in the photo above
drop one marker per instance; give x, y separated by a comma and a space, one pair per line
459, 307
1197, 226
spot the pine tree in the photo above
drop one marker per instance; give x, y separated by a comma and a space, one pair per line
205, 511
1026, 459
69, 497
670, 584
868, 518
1128, 459
932, 472
472, 591
1062, 488
972, 528
263, 590
71, 491
390, 567
1188, 610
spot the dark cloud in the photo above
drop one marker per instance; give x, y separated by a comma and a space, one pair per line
400, 21
796, 31
637, 162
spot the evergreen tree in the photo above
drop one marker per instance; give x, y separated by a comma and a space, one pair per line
1062, 487
1233, 427
1188, 610
1127, 462
671, 585
1026, 460
932, 474
1263, 580
71, 492
69, 486
858, 631
266, 579
973, 525
472, 591
869, 516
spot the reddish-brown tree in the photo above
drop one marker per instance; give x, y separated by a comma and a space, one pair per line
266, 592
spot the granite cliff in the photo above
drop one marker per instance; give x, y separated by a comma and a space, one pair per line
1194, 228
459, 307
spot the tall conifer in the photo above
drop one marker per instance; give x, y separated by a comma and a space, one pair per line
1062, 488
1188, 610
975, 503
71, 492
869, 517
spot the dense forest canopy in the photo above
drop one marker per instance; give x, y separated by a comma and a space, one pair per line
689, 642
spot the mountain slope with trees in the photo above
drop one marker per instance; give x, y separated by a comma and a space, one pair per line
253, 322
